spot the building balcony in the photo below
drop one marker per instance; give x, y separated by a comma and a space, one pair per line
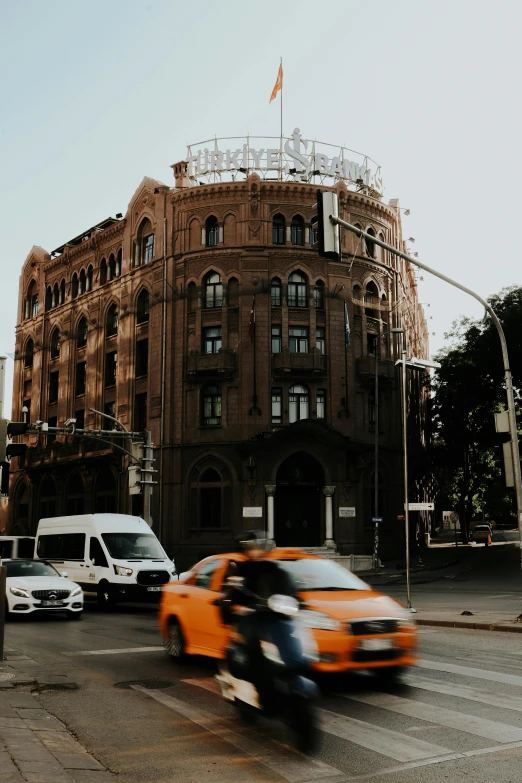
211, 365
365, 368
313, 363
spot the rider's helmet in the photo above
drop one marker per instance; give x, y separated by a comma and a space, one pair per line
252, 539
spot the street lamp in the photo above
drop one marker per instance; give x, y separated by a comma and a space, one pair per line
418, 364
376, 518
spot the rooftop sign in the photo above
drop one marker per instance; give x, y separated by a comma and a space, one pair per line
293, 159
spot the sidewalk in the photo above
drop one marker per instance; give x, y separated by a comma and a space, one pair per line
35, 747
478, 621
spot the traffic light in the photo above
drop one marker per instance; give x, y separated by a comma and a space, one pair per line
7, 430
327, 232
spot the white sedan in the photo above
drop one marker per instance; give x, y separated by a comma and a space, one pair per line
35, 586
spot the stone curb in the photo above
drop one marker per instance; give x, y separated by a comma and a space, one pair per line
473, 626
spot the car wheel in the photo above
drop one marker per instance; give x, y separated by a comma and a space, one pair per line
106, 599
175, 641
71, 615
391, 675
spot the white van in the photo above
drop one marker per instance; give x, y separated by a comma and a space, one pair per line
114, 556
17, 547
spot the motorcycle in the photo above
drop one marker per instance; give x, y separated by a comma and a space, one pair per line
287, 692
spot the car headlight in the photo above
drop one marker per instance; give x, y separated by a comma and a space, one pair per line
21, 592
406, 625
123, 571
322, 622
76, 591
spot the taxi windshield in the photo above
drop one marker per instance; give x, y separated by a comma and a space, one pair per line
310, 574
133, 546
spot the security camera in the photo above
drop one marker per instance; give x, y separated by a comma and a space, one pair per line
68, 422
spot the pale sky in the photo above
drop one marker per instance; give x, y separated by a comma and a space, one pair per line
96, 95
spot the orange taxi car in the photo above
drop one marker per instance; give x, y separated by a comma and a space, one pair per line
354, 626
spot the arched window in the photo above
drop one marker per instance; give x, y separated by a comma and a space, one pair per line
297, 230
144, 247
211, 405
142, 307
299, 403
75, 494
111, 321
213, 290
31, 301
314, 232
103, 272
56, 295
370, 244
62, 292
233, 292
371, 300
88, 280
81, 333
319, 295
278, 230
119, 259
275, 292
297, 295
47, 498
210, 490
112, 267
192, 297
29, 354
379, 251
105, 493
82, 282
55, 344
74, 286
212, 231
48, 298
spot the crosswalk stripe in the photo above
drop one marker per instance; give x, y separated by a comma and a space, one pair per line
468, 671
293, 766
470, 724
384, 741
115, 651
505, 700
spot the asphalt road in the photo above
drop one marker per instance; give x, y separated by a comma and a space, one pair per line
457, 717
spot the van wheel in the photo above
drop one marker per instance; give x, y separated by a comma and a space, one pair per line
175, 642
106, 599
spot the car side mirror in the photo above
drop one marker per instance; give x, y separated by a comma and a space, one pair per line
65, 574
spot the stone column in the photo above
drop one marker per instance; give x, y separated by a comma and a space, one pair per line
328, 493
270, 491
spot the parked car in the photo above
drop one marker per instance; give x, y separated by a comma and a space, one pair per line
13, 547
36, 586
482, 534
354, 626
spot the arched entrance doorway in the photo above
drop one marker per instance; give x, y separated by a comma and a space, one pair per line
298, 507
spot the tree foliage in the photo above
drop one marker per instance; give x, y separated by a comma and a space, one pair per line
468, 389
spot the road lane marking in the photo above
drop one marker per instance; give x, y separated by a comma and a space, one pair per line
289, 764
119, 651
468, 671
383, 741
470, 724
505, 701
207, 683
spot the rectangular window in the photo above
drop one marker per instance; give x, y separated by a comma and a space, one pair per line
96, 553
142, 358
34, 305
321, 403
28, 385
298, 404
211, 339
81, 377
275, 294
320, 340
371, 344
276, 339
54, 380
298, 339
211, 405
140, 412
277, 406
111, 363
80, 419
63, 546
148, 249
52, 421
110, 409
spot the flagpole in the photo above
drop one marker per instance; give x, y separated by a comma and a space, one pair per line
345, 360
281, 136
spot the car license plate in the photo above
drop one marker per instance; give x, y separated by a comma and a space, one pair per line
52, 603
155, 589
377, 644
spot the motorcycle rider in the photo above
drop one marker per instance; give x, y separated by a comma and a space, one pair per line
246, 598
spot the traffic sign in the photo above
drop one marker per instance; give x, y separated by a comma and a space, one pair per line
421, 506
454, 517
377, 519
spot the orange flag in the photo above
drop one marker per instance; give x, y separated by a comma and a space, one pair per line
279, 83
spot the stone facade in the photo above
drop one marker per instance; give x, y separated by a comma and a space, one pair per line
150, 318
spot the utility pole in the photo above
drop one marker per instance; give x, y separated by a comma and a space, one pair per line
3, 569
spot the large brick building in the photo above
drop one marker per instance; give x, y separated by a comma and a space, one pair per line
149, 317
